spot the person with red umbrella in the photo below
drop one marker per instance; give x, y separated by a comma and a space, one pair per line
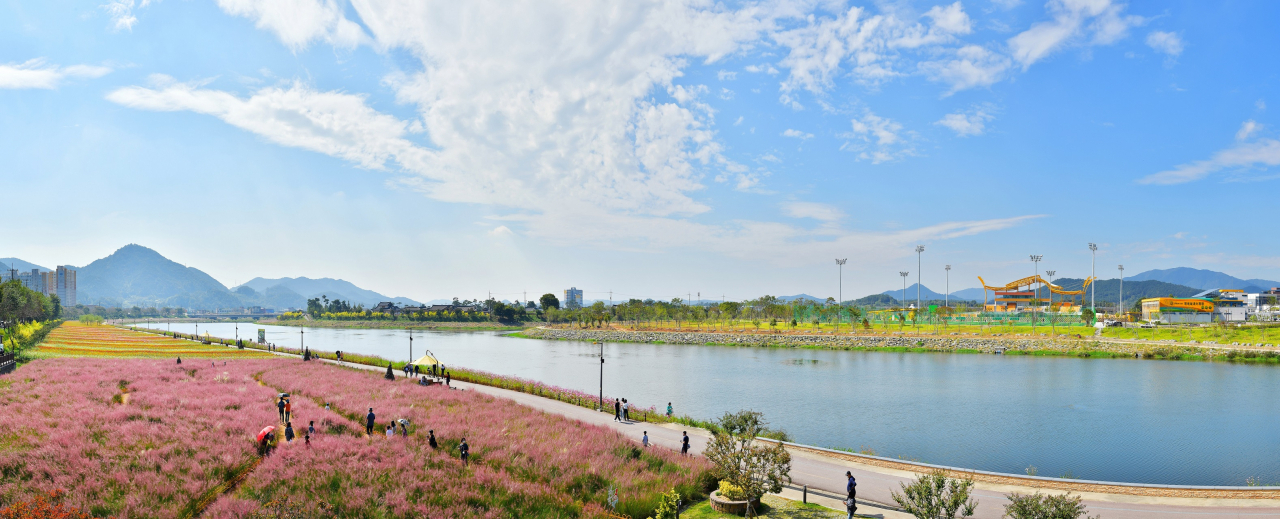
265, 437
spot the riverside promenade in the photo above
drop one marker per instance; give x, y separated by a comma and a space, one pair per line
823, 471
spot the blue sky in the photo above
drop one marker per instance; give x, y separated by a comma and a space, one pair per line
432, 149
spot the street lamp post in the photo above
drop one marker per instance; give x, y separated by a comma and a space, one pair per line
1035, 258
410, 344
1121, 267
904, 296
1093, 273
601, 406
840, 291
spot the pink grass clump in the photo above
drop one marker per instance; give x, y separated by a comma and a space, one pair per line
128, 437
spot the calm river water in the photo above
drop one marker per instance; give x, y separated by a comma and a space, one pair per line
1141, 421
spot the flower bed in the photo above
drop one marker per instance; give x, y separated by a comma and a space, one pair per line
74, 339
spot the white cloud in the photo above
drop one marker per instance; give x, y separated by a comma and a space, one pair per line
1165, 42
1260, 104
1247, 129
812, 210
299, 22
121, 12
1083, 22
972, 66
797, 134
1243, 155
501, 230
740, 119
966, 124
37, 73
878, 139
568, 114
725, 75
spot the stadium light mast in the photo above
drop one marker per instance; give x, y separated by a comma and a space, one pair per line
1050, 273
1093, 269
904, 294
948, 294
1035, 258
840, 291
919, 253
1121, 267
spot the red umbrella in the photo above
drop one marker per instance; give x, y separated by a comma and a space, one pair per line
265, 431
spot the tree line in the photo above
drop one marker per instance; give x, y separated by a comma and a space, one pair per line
19, 304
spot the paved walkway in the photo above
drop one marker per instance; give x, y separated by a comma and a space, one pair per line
825, 476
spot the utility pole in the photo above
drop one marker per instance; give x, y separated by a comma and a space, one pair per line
904, 296
840, 291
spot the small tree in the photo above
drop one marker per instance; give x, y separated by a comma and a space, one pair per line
756, 469
668, 506
1040, 506
935, 496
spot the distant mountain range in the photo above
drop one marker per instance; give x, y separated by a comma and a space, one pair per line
21, 266
1204, 279
929, 295
136, 275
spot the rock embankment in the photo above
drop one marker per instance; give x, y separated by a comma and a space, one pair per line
941, 343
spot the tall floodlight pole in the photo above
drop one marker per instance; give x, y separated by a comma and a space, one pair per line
948, 295
1035, 258
904, 295
919, 252
1093, 273
840, 291
410, 344
601, 406
1121, 267
1051, 273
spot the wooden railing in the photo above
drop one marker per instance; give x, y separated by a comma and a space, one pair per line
8, 361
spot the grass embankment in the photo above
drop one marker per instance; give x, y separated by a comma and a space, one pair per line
401, 325
1063, 327
74, 339
1256, 334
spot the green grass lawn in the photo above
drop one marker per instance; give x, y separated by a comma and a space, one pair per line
772, 507
1269, 334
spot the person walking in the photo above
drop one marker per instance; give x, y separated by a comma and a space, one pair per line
404, 429
644, 440
669, 410
465, 450
851, 487
626, 407
288, 410
280, 408
431, 439
368, 426
448, 380
288, 431
617, 410
684, 443
307, 438
311, 428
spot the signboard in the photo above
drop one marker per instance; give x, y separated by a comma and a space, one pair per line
1193, 305
262, 335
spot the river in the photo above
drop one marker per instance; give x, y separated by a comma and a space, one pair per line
1140, 421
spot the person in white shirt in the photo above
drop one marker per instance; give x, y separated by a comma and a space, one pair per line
644, 440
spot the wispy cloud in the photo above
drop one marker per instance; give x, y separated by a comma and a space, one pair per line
878, 139
796, 134
812, 210
1081, 22
37, 73
122, 13
1165, 42
1243, 155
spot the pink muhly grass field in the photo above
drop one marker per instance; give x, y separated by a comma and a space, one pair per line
149, 438
181, 431
522, 459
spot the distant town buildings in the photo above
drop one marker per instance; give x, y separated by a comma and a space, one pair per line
60, 282
572, 298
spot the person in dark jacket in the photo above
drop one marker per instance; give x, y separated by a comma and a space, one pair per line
288, 431
851, 487
617, 410
465, 450
431, 440
368, 426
